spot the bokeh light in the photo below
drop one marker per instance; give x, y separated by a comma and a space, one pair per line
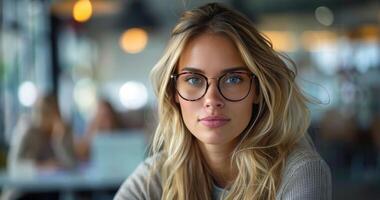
133, 95
314, 40
134, 40
82, 10
85, 96
283, 41
324, 15
27, 93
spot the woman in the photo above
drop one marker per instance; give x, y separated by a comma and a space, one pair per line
42, 144
44, 141
232, 121
105, 119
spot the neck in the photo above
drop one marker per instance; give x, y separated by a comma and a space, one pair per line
218, 159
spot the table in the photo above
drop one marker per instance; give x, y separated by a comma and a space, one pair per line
64, 182
114, 157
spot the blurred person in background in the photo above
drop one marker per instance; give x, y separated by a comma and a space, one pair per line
232, 120
44, 140
106, 119
41, 143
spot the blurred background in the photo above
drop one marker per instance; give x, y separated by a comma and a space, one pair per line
77, 108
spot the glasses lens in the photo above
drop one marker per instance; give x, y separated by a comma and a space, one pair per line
191, 86
235, 86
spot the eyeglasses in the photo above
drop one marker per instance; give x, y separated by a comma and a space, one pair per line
233, 86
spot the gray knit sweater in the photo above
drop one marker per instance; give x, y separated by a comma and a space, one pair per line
305, 176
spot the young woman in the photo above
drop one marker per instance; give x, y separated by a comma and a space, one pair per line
232, 121
42, 143
106, 119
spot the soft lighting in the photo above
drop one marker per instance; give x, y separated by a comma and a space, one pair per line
82, 10
134, 40
281, 40
313, 40
324, 15
370, 33
133, 95
326, 58
85, 96
27, 93
366, 56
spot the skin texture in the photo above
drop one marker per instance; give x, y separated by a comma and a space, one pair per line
212, 54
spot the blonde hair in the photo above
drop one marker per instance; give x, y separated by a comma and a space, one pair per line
279, 120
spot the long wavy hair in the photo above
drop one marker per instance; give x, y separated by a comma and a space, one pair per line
279, 119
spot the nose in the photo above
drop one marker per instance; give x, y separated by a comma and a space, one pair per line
213, 98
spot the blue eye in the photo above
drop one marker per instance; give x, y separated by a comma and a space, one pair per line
233, 79
194, 80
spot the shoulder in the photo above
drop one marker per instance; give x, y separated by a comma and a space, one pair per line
24, 133
143, 183
303, 153
305, 175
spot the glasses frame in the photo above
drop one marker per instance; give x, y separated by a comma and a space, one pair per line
174, 77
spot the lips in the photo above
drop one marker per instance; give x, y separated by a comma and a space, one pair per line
214, 121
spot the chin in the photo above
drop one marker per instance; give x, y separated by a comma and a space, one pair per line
214, 138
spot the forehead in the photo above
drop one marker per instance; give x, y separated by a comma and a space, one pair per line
210, 53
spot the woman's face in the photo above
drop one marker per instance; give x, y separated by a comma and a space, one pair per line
212, 119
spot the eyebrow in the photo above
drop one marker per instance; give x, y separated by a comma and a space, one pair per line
238, 68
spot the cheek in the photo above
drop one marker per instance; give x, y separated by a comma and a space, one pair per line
243, 113
187, 109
